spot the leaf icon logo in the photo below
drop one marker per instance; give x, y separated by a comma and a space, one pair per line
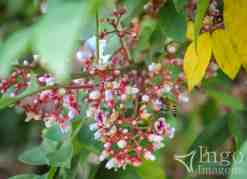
183, 158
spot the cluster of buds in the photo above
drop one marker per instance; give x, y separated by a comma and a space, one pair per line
214, 17
128, 102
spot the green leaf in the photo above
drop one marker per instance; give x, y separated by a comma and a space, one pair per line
63, 156
28, 176
87, 141
173, 23
240, 164
202, 6
15, 7
237, 125
180, 4
226, 100
54, 133
56, 37
48, 146
209, 111
113, 44
53, 4
15, 47
6, 101
134, 8
148, 26
150, 170
35, 156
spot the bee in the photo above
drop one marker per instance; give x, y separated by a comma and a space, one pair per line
170, 106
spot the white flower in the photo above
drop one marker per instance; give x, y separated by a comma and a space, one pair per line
31, 116
71, 114
122, 144
135, 90
125, 131
145, 98
155, 138
89, 113
108, 95
105, 58
93, 127
49, 81
132, 90
167, 88
49, 123
111, 164
171, 48
152, 67
65, 128
158, 104
115, 85
123, 97
158, 146
94, 95
44, 7
97, 135
171, 132
149, 156
107, 145
103, 156
184, 98
91, 44
145, 114
82, 56
113, 130
25, 63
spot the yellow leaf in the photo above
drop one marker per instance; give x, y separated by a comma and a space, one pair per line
226, 57
235, 20
190, 30
196, 60
245, 67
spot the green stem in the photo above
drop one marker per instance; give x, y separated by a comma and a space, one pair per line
52, 172
77, 130
75, 165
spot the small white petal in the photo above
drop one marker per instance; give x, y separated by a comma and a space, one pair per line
93, 127
108, 95
97, 135
145, 98
149, 156
135, 90
111, 164
122, 144
94, 95
91, 44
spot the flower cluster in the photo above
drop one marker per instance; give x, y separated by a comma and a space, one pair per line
128, 101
